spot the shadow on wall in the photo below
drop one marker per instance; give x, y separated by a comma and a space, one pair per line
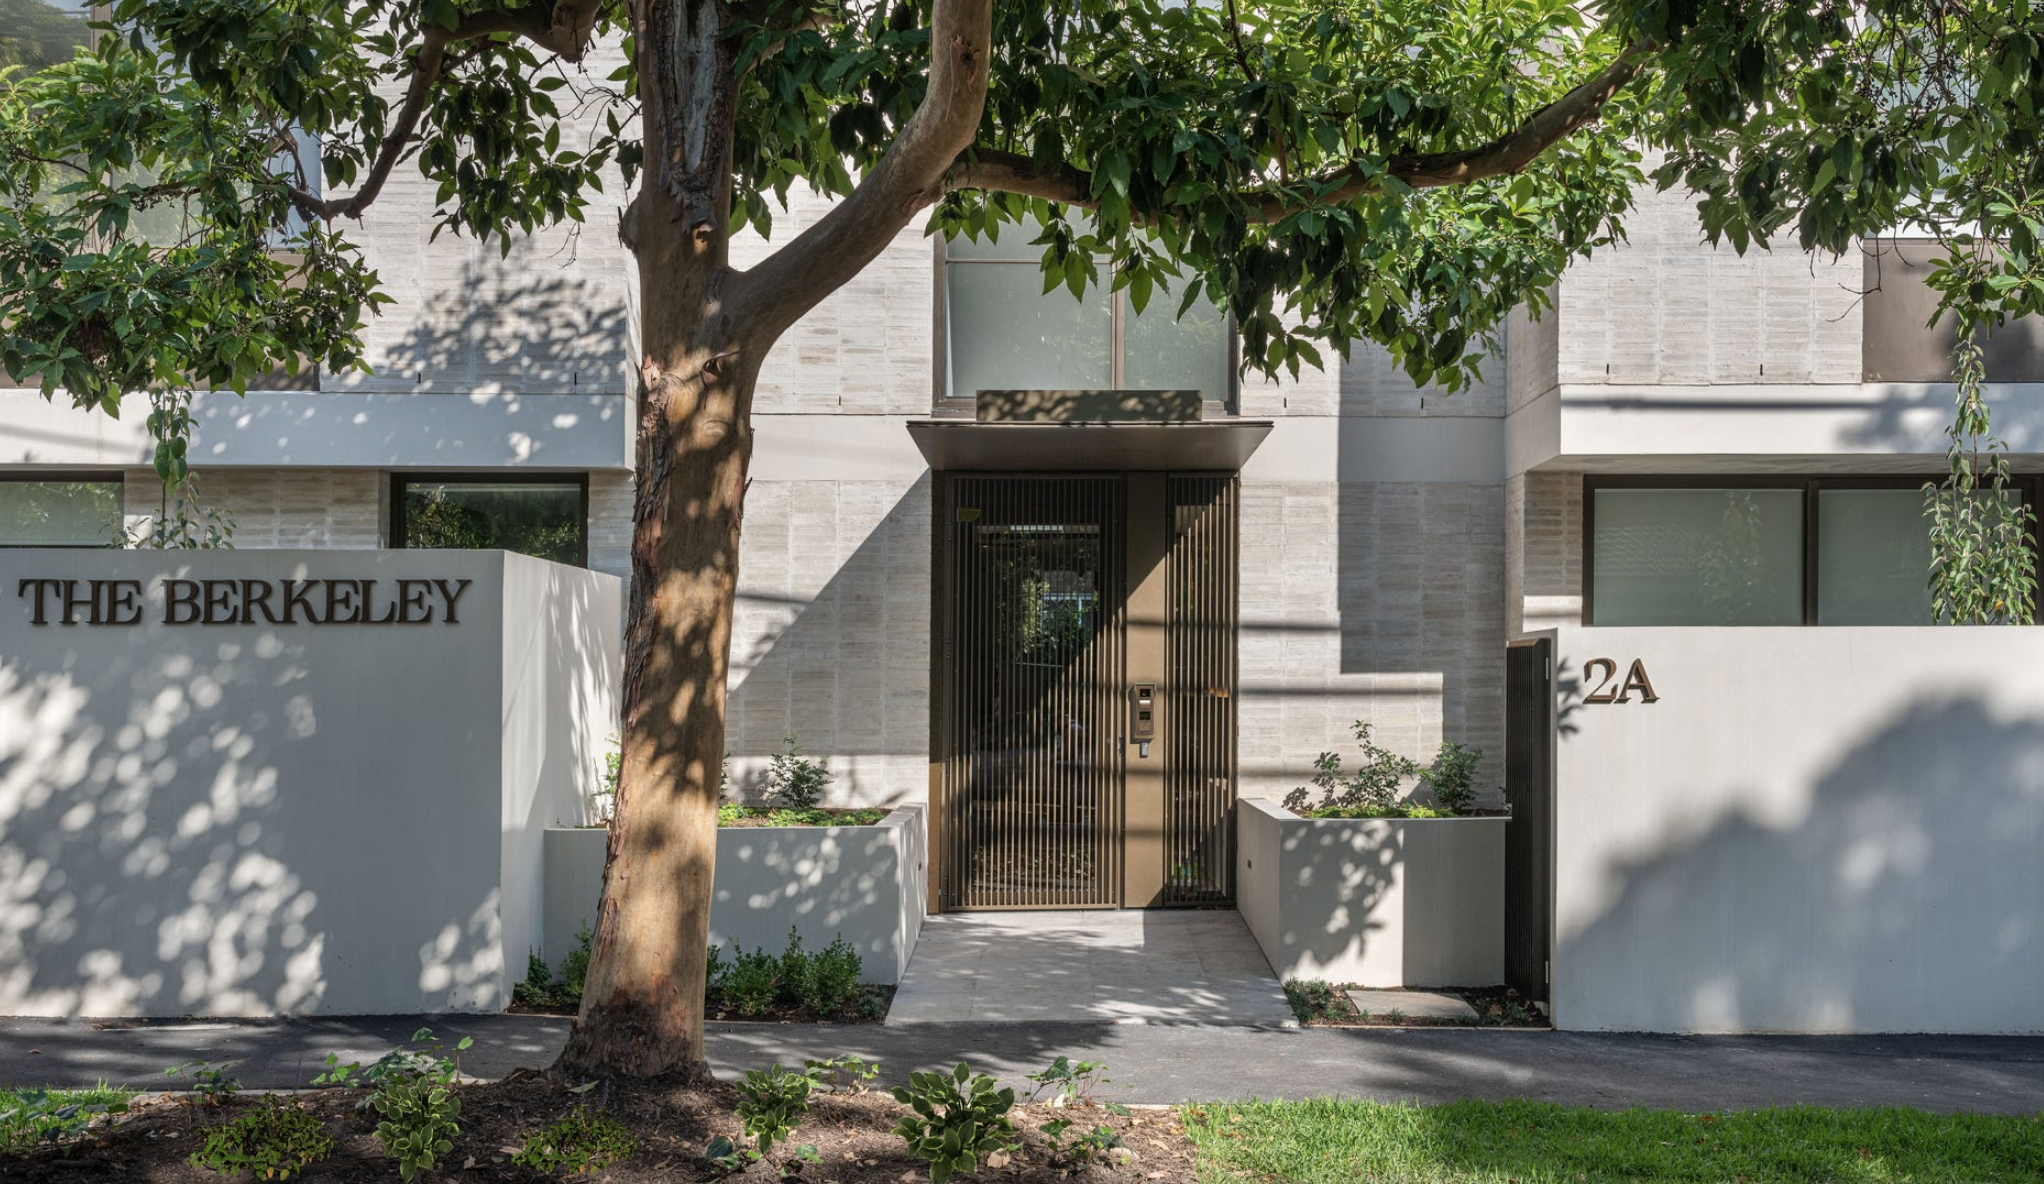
846, 670
1906, 898
528, 326
253, 820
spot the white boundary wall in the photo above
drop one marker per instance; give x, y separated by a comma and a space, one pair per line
290, 818
867, 884
1811, 830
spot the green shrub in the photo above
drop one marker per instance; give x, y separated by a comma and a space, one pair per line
584, 1141
794, 780
771, 1103
1452, 778
957, 1119
1380, 774
30, 1118
791, 983
751, 984
714, 969
274, 1141
544, 988
1314, 1000
834, 977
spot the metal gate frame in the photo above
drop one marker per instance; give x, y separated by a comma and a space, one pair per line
1170, 620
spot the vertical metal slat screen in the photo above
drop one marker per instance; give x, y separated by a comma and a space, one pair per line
1031, 768
1199, 778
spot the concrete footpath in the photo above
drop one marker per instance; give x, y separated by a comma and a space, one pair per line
1147, 1062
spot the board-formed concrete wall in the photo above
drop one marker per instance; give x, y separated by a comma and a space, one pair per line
1809, 830
293, 815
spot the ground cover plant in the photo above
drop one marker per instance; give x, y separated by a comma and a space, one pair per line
31, 1117
1321, 1004
1337, 1142
273, 1141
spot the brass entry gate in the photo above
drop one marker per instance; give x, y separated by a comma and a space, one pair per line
1085, 721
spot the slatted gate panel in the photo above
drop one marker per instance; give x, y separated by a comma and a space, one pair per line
1199, 776
1032, 769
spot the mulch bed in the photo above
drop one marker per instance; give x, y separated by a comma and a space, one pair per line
1496, 1007
672, 1122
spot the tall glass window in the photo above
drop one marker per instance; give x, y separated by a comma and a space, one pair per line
1873, 558
1697, 557
543, 518
41, 512
1004, 332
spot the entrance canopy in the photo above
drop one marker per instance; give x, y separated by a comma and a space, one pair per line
1210, 446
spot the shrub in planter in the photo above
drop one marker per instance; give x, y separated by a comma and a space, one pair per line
1371, 791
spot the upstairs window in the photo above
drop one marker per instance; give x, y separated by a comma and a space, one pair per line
545, 517
60, 510
1766, 551
1002, 331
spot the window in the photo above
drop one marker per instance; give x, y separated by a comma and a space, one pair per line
1004, 332
1770, 551
39, 33
542, 516
59, 510
1698, 557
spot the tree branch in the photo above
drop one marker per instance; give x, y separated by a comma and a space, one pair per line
563, 27
908, 177
1009, 172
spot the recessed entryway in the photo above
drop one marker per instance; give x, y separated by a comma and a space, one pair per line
1190, 966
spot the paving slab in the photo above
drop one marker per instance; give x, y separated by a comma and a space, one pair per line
1417, 1005
1127, 966
1161, 1063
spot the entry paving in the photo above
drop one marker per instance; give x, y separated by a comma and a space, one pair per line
1130, 966
1149, 1063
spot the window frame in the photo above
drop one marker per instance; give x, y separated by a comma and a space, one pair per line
2029, 485
399, 481
1228, 404
114, 477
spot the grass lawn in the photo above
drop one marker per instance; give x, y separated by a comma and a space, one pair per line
1534, 1142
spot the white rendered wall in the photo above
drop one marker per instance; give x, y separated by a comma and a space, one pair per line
1812, 830
271, 819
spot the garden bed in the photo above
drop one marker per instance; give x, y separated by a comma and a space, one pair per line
1327, 1005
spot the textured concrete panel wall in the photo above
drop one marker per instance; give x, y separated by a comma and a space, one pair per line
1665, 307
1373, 602
1811, 830
832, 635
1543, 551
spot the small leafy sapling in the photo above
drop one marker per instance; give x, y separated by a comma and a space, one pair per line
772, 1103
1452, 777
846, 1075
794, 780
957, 1120
211, 1084
1380, 774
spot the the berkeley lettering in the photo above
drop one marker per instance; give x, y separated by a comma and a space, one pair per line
247, 602
103, 602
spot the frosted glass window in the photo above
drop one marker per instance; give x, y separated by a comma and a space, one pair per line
1873, 558
59, 513
1698, 557
1007, 333
1162, 352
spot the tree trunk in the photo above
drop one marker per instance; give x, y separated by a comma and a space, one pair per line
642, 1004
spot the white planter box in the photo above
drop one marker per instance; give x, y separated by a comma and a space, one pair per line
864, 883
1382, 902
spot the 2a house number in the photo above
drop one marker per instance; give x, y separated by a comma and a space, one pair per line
1603, 673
